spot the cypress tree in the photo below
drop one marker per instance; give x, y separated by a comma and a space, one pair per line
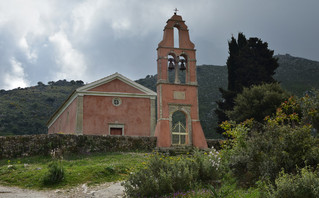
250, 62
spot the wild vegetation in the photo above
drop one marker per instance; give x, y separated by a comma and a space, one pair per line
44, 172
164, 174
275, 157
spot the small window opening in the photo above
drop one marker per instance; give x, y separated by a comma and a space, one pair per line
171, 69
182, 69
115, 131
176, 37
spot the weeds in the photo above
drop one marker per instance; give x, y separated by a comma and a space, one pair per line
56, 171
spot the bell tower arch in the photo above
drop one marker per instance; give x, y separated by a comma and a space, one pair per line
179, 94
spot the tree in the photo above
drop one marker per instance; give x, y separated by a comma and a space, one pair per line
41, 84
250, 62
257, 102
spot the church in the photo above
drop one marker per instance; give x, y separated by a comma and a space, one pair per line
116, 105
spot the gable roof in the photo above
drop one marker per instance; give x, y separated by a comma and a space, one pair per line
112, 77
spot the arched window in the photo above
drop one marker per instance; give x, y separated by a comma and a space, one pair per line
171, 68
176, 37
182, 69
179, 129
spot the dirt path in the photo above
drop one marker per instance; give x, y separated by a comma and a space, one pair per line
106, 190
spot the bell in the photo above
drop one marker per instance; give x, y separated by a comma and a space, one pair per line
171, 64
182, 68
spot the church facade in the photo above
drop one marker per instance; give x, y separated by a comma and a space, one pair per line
116, 105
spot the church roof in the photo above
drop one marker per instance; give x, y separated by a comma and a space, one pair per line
120, 77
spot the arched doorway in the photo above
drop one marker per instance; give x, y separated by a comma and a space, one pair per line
179, 129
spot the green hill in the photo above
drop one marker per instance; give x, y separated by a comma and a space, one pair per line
26, 111
297, 75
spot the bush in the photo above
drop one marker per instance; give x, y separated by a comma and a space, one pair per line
259, 152
310, 109
55, 173
257, 102
303, 184
262, 155
164, 174
283, 142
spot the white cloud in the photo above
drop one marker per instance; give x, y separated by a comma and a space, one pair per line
16, 77
120, 26
85, 14
31, 54
70, 62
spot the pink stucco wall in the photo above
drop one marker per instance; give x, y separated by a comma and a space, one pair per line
66, 122
162, 131
116, 86
190, 98
165, 91
99, 112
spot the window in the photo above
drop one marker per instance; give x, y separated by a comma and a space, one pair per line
179, 130
116, 102
116, 129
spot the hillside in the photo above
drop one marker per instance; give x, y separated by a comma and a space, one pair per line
297, 75
26, 111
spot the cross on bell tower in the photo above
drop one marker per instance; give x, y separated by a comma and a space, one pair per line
178, 99
175, 11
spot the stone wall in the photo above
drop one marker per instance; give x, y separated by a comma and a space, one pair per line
30, 145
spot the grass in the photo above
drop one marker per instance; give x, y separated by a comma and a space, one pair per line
28, 172
92, 169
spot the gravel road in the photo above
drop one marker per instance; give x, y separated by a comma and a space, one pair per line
106, 190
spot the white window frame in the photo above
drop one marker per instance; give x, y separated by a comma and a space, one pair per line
118, 99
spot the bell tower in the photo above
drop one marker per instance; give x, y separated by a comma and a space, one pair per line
177, 90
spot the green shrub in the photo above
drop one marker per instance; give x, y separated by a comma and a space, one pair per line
264, 154
109, 170
310, 109
257, 102
162, 175
55, 173
303, 184
283, 142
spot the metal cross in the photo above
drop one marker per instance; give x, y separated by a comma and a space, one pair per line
175, 11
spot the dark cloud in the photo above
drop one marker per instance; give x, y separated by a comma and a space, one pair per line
87, 40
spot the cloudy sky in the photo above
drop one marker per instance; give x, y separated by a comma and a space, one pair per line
45, 40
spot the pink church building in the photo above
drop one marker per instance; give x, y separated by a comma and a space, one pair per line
114, 105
